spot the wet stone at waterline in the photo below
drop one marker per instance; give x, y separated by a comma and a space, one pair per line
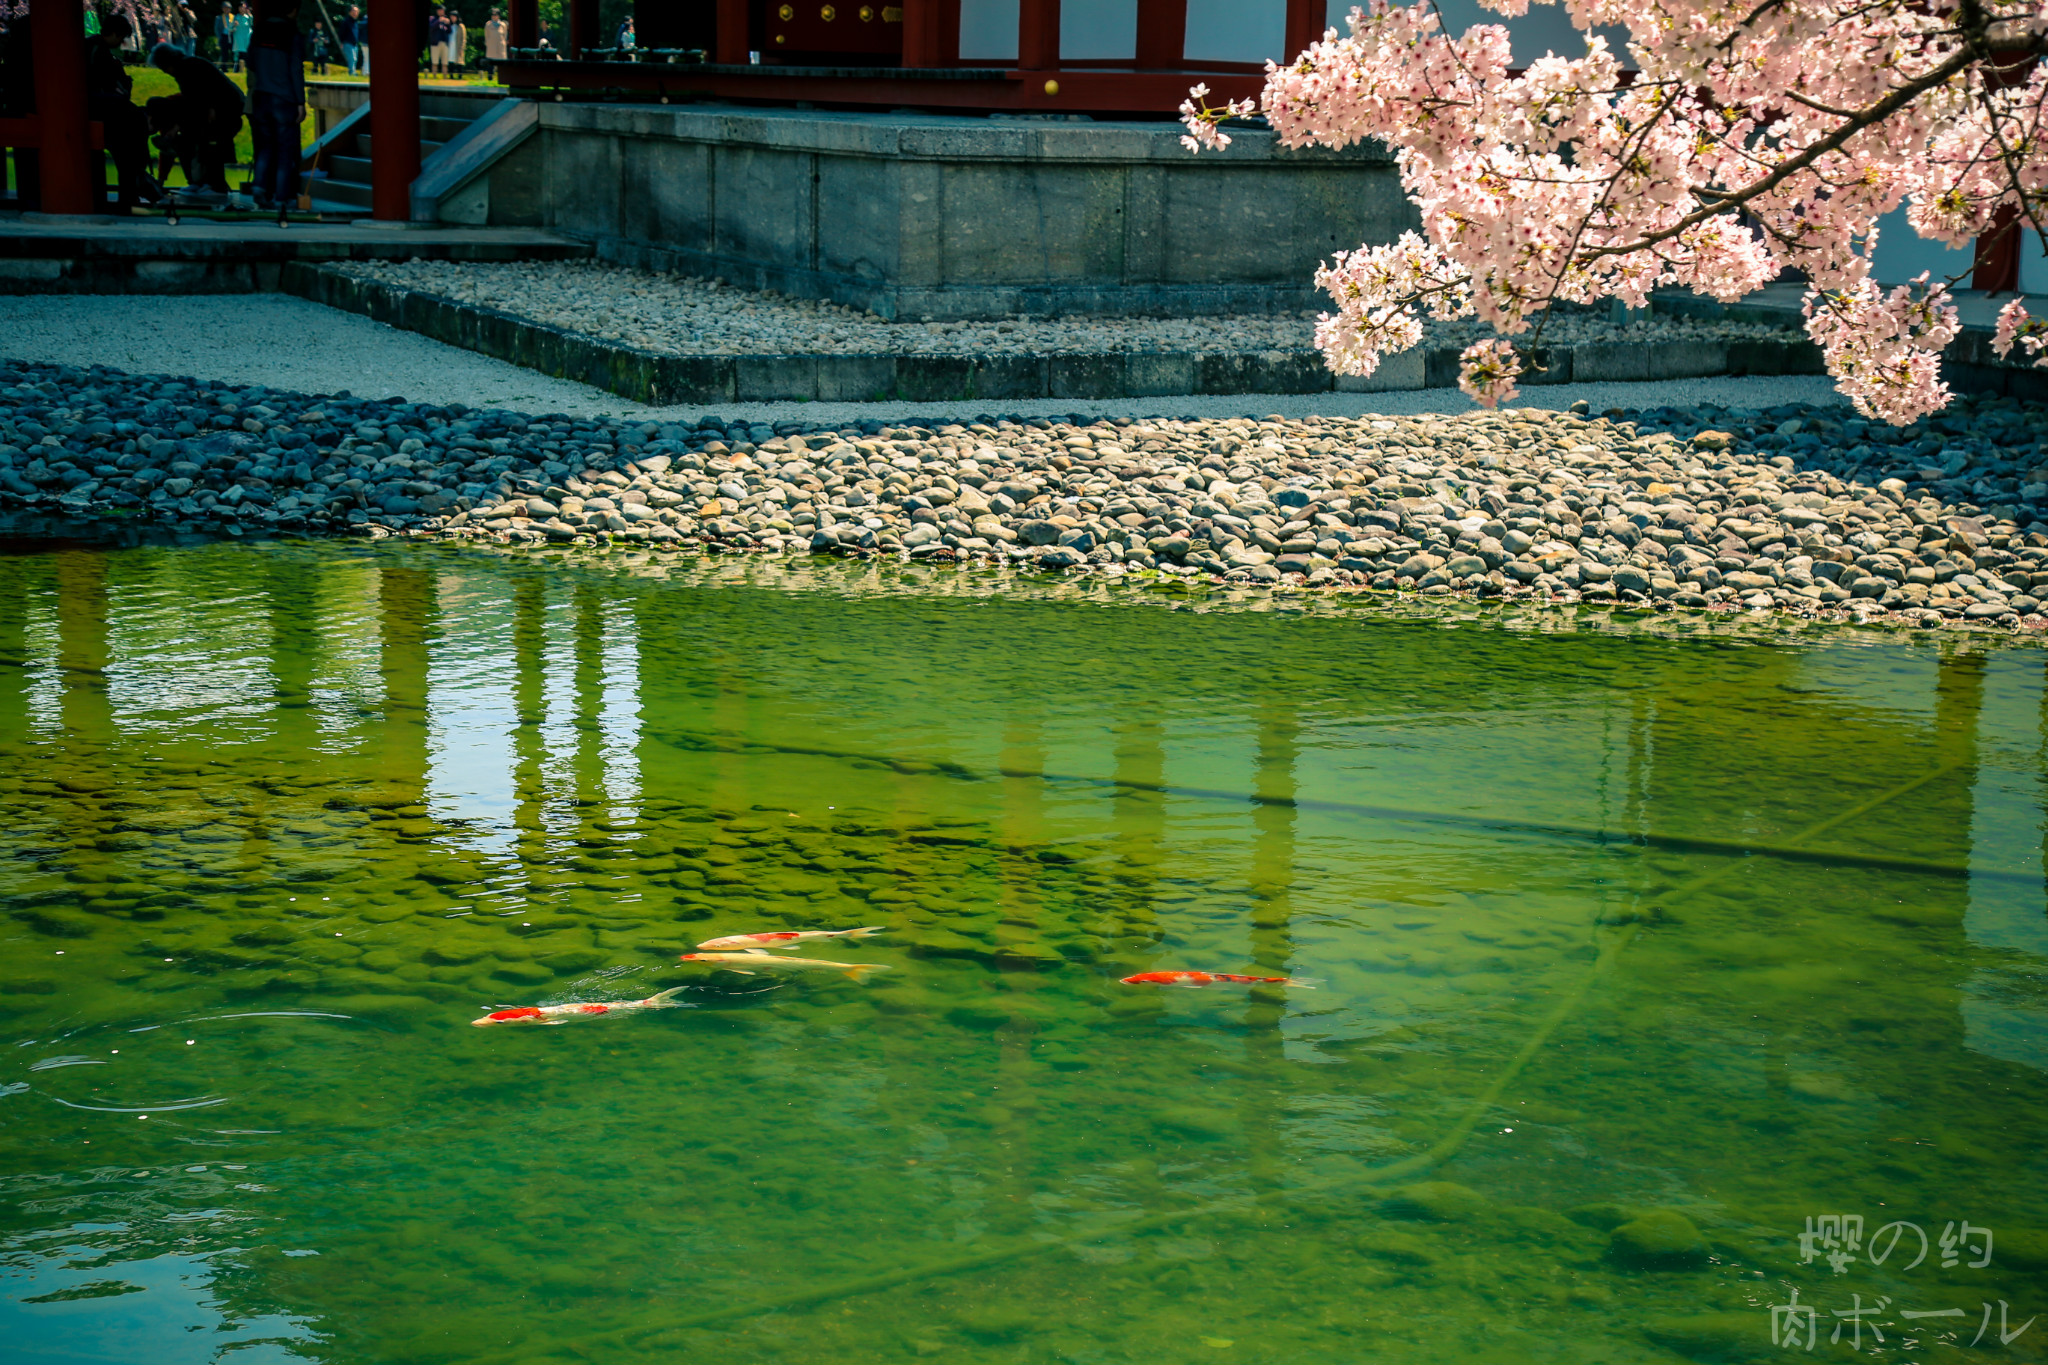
1655, 991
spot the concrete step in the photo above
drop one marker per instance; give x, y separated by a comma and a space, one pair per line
442, 129
355, 194
427, 149
355, 168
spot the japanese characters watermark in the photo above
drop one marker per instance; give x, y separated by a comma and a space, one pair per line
1839, 1241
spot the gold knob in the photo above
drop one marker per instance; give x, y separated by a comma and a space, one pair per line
1052, 87
781, 38
867, 14
892, 14
786, 13
828, 14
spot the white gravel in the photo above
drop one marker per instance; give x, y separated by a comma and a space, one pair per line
286, 342
678, 315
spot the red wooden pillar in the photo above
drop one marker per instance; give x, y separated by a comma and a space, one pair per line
1038, 35
1305, 25
732, 32
67, 162
1162, 33
394, 109
583, 27
920, 32
523, 25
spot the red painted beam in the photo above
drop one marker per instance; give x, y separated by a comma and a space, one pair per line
1080, 91
59, 47
732, 32
523, 27
584, 27
394, 109
920, 33
1304, 26
1038, 34
1162, 32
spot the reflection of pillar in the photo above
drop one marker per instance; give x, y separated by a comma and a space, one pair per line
529, 701
83, 707
84, 710
294, 651
1140, 820
17, 581
405, 603
1272, 937
1958, 709
587, 766
1023, 827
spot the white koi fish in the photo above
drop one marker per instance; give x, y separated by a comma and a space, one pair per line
745, 963
783, 938
562, 1014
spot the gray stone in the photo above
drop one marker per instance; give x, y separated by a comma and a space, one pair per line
1661, 1239
1062, 557
1039, 532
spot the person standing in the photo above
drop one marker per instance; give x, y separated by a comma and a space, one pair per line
625, 40
437, 42
210, 114
224, 34
350, 34
458, 43
187, 40
245, 24
277, 102
107, 103
318, 56
494, 42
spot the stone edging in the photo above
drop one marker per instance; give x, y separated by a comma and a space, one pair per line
655, 378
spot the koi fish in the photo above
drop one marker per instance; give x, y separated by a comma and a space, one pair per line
1213, 979
562, 1014
743, 962
784, 937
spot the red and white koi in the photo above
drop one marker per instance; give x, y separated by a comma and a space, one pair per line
787, 938
747, 963
1214, 979
562, 1014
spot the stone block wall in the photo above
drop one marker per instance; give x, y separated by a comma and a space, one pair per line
936, 217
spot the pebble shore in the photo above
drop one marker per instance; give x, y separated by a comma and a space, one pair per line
1793, 509
679, 315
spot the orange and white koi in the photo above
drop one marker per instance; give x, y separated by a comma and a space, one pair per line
562, 1014
745, 963
1214, 979
784, 938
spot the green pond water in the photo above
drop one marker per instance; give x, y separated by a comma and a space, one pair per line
1636, 959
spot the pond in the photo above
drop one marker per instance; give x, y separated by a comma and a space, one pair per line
1662, 999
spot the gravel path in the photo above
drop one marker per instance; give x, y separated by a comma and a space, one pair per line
1793, 509
288, 343
677, 315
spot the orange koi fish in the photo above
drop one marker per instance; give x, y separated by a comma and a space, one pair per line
744, 963
785, 937
562, 1014
1214, 979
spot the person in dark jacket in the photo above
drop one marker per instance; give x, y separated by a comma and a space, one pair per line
126, 131
212, 113
277, 101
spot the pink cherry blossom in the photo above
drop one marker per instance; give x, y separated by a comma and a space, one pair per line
1729, 145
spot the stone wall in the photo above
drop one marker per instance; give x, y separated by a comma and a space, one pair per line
937, 217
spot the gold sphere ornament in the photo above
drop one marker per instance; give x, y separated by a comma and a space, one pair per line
1052, 87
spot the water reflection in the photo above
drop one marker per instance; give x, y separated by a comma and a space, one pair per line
267, 777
